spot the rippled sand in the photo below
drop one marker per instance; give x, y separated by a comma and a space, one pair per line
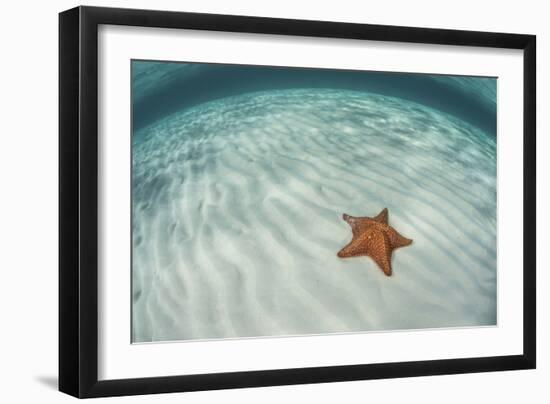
237, 218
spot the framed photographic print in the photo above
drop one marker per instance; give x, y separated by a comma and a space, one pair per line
249, 201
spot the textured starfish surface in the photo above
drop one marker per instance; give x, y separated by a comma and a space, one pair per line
373, 236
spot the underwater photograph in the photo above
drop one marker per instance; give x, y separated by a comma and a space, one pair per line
284, 201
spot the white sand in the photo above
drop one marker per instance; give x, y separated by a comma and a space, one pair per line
237, 218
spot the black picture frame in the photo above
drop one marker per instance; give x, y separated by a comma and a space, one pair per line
78, 201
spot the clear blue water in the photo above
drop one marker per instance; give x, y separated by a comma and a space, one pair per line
241, 175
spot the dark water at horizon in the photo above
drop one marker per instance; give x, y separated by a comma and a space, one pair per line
161, 88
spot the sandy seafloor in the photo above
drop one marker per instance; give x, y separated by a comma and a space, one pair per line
237, 217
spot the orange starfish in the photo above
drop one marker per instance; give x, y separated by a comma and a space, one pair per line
373, 236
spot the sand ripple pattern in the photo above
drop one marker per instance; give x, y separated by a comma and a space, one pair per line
237, 209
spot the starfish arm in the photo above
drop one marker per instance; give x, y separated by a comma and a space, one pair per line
354, 248
352, 221
382, 217
396, 239
356, 223
380, 251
